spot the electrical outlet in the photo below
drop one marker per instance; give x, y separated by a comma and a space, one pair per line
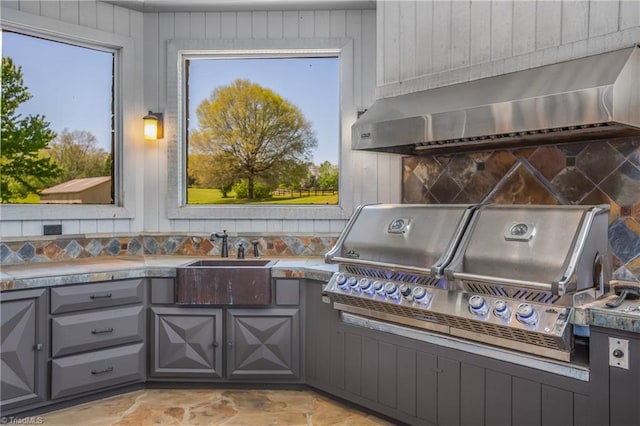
619, 353
52, 229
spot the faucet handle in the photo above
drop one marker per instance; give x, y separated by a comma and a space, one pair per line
240, 251
256, 252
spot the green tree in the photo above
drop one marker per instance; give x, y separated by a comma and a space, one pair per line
24, 168
257, 134
328, 176
79, 156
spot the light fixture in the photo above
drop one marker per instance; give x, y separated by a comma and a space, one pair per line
153, 125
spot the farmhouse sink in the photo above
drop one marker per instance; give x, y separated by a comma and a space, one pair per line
224, 282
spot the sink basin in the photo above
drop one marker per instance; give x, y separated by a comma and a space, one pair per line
224, 281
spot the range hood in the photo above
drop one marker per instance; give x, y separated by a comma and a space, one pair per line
596, 97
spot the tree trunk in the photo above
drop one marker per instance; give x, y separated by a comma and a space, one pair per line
250, 187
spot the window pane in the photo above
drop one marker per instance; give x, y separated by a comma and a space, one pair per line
57, 122
262, 130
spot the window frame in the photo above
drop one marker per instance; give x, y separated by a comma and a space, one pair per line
178, 51
124, 69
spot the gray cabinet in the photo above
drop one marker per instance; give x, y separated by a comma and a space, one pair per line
98, 332
263, 343
615, 390
186, 342
24, 347
421, 383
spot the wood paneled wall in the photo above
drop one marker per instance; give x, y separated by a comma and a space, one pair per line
87, 16
431, 43
366, 177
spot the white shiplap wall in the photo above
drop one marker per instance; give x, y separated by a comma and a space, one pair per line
366, 177
82, 18
429, 43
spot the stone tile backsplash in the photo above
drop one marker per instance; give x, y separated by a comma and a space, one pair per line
64, 249
598, 172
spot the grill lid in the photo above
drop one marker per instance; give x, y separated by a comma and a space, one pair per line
402, 236
554, 248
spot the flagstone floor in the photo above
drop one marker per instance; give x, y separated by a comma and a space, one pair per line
213, 407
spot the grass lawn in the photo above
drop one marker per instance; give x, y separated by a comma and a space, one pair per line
214, 196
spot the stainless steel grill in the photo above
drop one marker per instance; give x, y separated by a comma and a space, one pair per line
507, 276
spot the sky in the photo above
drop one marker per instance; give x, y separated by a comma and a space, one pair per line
312, 84
70, 85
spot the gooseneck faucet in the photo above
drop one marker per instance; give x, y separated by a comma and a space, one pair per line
224, 250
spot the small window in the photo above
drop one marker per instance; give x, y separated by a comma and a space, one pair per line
262, 130
57, 122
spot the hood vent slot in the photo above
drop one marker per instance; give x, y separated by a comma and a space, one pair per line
591, 98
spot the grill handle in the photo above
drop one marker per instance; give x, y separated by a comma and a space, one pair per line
383, 265
500, 280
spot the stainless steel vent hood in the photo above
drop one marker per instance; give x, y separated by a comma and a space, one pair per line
595, 97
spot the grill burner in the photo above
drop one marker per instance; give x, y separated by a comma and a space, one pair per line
507, 276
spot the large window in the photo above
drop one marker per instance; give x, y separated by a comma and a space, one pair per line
58, 137
262, 129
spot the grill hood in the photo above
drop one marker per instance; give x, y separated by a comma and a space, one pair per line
596, 97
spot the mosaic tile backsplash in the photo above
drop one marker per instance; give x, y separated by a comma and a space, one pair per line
64, 249
597, 172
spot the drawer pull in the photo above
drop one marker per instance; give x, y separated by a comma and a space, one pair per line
107, 330
105, 371
100, 296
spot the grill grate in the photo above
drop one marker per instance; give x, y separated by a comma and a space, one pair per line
512, 293
384, 274
478, 327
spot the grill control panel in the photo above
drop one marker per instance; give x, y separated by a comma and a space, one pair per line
482, 317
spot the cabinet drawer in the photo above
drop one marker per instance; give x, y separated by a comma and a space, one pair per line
95, 370
98, 295
96, 330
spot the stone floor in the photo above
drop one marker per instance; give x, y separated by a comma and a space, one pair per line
212, 407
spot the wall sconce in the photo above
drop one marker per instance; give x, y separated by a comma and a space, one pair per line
153, 126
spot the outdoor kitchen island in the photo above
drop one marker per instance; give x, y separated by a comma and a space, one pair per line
420, 378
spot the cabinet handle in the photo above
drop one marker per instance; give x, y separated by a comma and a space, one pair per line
100, 296
214, 344
106, 370
230, 344
108, 330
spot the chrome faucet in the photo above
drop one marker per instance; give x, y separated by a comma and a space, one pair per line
224, 250
256, 252
240, 251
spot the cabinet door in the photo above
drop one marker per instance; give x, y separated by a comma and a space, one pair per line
263, 343
186, 342
23, 371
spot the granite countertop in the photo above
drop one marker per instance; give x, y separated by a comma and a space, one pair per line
625, 317
33, 275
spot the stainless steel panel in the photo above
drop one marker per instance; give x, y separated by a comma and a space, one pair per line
550, 104
96, 330
96, 295
546, 257
414, 236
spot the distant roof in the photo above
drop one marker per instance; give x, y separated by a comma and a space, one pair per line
76, 185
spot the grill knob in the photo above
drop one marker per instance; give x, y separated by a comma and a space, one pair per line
391, 290
365, 285
378, 287
421, 295
501, 309
477, 305
405, 290
341, 280
353, 283
526, 314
